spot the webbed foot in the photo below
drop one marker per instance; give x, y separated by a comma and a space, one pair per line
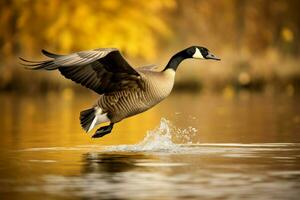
103, 131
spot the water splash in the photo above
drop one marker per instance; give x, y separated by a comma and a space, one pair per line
162, 138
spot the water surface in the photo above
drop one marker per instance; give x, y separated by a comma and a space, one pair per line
189, 147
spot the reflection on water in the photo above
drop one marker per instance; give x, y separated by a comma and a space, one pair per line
206, 171
109, 163
209, 148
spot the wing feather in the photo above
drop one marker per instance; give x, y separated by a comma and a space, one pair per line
102, 70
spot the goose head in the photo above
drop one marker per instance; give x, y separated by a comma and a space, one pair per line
198, 52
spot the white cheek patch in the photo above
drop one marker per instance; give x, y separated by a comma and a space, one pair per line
198, 54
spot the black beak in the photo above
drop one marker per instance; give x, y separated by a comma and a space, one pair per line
212, 56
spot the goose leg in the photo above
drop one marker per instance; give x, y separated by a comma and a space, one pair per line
103, 130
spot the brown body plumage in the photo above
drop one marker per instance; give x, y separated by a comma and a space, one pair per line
122, 104
124, 91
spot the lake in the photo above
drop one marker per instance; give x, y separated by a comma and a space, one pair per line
190, 146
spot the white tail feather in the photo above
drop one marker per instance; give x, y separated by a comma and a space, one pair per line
92, 124
99, 118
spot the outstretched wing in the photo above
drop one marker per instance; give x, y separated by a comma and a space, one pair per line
102, 70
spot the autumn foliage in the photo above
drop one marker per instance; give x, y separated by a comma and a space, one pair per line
253, 37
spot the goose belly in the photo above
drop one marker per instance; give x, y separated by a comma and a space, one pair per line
123, 104
126, 103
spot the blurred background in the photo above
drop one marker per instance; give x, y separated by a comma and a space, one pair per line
250, 96
258, 40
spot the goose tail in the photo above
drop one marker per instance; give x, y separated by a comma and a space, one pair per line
89, 118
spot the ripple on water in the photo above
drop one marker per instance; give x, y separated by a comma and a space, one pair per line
158, 167
161, 140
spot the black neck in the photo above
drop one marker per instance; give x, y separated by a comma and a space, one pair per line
176, 60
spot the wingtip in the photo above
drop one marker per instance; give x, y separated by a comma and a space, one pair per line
22, 59
31, 65
30, 62
44, 51
25, 63
49, 54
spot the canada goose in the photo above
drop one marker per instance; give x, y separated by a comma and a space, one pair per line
124, 91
